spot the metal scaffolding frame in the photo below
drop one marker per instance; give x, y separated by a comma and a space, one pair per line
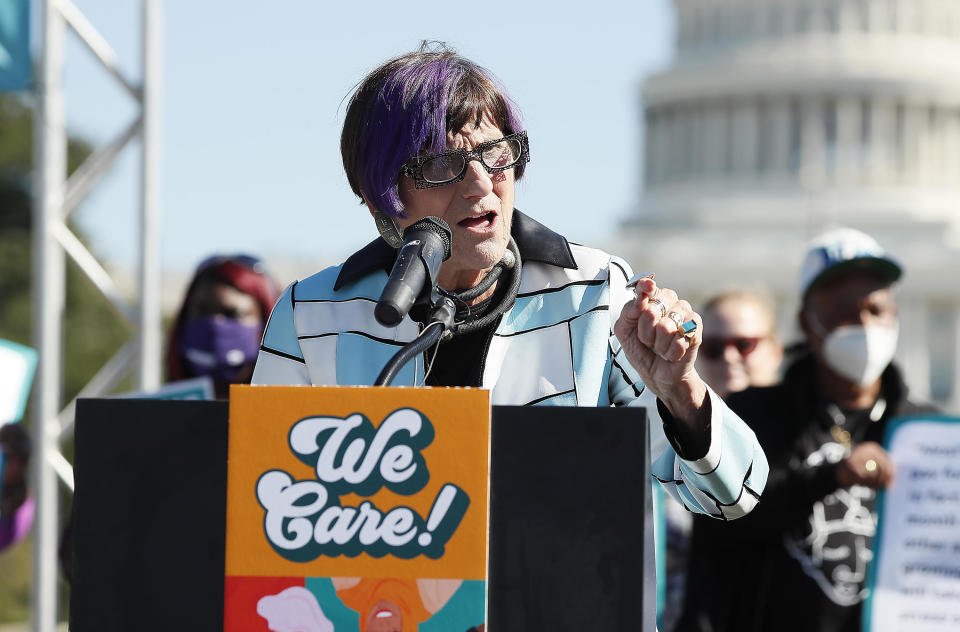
55, 198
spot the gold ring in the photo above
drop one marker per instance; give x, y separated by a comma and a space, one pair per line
659, 303
689, 329
870, 465
676, 318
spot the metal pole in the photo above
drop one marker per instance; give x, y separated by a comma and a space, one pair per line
49, 272
150, 325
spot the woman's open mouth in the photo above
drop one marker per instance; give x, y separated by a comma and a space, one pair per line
480, 223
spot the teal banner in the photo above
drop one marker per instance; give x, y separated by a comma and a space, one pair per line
15, 64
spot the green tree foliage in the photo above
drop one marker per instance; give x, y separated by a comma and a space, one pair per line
93, 331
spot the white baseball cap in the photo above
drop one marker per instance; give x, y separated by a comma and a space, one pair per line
841, 249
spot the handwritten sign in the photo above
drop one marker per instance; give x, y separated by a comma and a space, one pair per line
916, 575
356, 509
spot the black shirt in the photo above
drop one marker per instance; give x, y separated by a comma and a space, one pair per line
459, 361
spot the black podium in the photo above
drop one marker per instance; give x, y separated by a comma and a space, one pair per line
570, 540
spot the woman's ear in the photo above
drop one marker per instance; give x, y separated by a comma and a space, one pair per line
388, 228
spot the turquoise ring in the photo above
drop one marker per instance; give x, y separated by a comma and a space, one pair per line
689, 329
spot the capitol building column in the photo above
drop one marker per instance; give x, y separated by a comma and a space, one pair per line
883, 129
849, 153
909, 139
813, 143
915, 344
777, 137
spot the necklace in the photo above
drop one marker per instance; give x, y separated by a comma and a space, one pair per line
843, 435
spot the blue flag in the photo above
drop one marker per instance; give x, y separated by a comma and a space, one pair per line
15, 65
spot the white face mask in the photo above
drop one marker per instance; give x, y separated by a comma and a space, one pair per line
860, 353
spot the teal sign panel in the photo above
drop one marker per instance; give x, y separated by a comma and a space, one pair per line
15, 64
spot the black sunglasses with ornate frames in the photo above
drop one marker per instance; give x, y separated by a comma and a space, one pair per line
448, 167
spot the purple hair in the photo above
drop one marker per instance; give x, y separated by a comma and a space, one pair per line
408, 105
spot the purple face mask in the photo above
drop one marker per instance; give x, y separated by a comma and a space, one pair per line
219, 347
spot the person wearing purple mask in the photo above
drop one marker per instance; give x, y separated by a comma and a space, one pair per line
218, 329
216, 334
16, 507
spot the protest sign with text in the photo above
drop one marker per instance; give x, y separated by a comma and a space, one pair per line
915, 577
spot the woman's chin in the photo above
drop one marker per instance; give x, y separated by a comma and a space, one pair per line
483, 256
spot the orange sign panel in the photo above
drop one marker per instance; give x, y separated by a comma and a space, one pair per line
382, 490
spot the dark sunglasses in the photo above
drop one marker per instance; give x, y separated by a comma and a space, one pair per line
448, 167
713, 348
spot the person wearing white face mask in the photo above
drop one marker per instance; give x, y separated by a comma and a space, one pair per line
809, 542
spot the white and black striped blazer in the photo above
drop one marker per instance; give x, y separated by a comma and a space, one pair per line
554, 347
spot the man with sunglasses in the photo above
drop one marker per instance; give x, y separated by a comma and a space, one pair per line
740, 349
740, 346
804, 552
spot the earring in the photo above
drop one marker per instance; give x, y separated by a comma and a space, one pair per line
388, 229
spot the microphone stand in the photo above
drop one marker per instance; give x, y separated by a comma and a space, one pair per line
440, 314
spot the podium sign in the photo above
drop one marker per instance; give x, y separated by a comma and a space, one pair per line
356, 509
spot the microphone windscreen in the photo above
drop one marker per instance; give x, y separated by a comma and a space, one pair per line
436, 226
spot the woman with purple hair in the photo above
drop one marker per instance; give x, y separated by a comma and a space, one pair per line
539, 320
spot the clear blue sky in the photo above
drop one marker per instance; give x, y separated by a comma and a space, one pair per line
254, 104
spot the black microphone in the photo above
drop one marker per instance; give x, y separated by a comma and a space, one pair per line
426, 245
